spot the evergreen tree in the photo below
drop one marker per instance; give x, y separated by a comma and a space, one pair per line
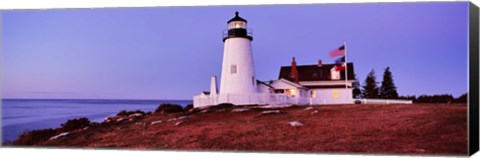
388, 89
356, 92
370, 88
462, 99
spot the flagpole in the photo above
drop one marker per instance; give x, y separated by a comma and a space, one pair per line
346, 68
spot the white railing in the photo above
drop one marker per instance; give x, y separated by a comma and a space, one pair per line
282, 99
249, 32
298, 101
385, 101
323, 101
244, 99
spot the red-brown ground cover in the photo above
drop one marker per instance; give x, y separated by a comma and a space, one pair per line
386, 129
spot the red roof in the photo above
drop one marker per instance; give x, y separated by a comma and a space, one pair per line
315, 72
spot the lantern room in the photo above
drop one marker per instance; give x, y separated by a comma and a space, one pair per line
237, 22
237, 27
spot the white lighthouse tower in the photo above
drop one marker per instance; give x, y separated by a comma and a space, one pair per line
238, 73
238, 84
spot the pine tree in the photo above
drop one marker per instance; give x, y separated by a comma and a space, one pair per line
370, 88
388, 89
356, 92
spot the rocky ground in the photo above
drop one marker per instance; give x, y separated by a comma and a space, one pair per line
418, 129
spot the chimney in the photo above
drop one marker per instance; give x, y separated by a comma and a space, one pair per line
319, 62
294, 72
213, 86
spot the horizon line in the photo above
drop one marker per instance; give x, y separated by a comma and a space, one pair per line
94, 99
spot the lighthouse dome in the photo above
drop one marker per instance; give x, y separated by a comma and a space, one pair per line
237, 18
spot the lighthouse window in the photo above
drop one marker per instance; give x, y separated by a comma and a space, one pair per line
233, 69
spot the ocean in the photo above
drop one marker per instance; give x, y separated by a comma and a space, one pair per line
19, 115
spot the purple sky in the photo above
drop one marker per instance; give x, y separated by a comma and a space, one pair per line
171, 52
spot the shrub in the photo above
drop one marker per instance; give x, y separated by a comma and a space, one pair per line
122, 113
169, 108
442, 98
188, 107
462, 99
224, 105
35, 137
409, 97
221, 106
74, 124
126, 113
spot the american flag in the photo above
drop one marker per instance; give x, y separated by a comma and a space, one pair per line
338, 52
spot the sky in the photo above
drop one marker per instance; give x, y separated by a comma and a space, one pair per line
171, 52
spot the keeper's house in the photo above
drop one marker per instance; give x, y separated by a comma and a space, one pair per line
315, 84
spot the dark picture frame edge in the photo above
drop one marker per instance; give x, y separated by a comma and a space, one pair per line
473, 99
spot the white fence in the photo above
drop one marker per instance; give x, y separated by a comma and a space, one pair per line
242, 99
321, 101
385, 101
282, 99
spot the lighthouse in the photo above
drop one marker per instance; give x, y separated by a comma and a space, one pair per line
238, 73
238, 84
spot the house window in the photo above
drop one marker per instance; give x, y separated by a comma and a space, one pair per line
335, 75
313, 94
233, 69
293, 92
335, 94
